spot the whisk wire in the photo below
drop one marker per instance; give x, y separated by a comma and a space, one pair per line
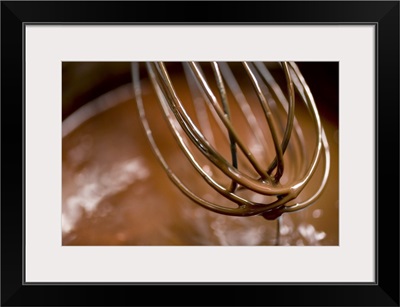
184, 129
225, 105
212, 101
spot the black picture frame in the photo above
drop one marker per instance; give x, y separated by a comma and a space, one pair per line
383, 14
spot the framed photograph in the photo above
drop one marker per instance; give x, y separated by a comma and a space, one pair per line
247, 155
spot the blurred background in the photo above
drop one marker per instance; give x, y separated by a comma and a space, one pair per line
115, 192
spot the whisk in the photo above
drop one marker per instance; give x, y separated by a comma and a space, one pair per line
241, 131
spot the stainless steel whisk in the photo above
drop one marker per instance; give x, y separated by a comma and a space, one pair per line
263, 164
